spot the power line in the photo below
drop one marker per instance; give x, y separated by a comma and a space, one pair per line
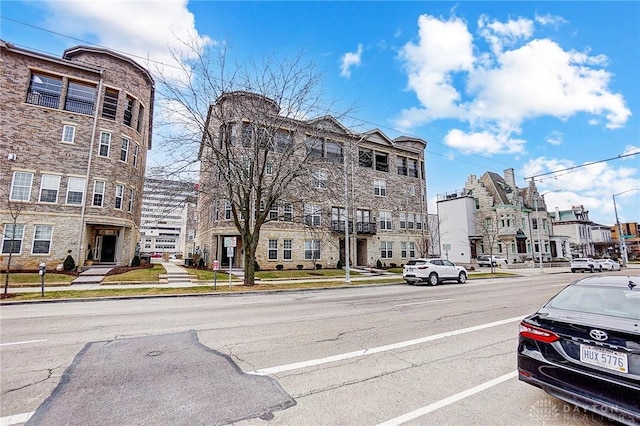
571, 169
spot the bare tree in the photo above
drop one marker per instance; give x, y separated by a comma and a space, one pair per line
10, 244
491, 235
249, 130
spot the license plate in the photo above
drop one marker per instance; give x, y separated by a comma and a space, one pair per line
606, 358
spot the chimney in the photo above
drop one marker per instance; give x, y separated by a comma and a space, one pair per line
510, 178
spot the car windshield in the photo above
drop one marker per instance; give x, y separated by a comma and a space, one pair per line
613, 301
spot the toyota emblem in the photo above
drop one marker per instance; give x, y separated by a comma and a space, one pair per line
598, 335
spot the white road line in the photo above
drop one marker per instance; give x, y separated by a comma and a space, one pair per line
422, 303
22, 343
450, 400
378, 349
16, 419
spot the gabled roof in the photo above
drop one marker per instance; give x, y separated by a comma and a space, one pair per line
328, 123
377, 136
497, 187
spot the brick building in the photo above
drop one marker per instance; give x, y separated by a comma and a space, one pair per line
383, 192
74, 137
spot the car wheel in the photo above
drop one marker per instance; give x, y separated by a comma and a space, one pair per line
462, 278
409, 282
573, 271
433, 278
591, 269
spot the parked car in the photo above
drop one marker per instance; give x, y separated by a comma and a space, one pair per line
433, 271
485, 260
583, 346
583, 264
608, 264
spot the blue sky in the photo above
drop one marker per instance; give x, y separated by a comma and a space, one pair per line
534, 86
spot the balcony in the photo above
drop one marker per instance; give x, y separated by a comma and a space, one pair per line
361, 227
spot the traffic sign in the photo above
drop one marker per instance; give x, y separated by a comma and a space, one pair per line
230, 241
216, 265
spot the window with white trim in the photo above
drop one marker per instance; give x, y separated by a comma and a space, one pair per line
227, 210
410, 219
273, 250
135, 155
403, 221
68, 133
21, 186
131, 196
312, 215
319, 179
49, 188
268, 169
418, 221
286, 249
75, 191
98, 193
128, 111
105, 144
312, 249
380, 187
12, 238
119, 196
385, 220
124, 150
287, 212
42, 239
273, 213
403, 250
407, 249
386, 249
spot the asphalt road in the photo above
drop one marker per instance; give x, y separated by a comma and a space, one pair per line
375, 355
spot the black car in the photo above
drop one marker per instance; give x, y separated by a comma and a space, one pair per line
583, 346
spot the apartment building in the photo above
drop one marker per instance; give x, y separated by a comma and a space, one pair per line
363, 188
163, 223
491, 215
75, 132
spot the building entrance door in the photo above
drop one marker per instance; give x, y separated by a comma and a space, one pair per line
108, 251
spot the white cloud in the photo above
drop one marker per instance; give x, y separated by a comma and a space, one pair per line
549, 19
555, 138
517, 80
142, 30
485, 142
350, 60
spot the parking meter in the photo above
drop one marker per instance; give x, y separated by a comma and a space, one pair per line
41, 272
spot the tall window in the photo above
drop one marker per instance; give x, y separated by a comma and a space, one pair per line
49, 189
382, 161
380, 187
534, 223
311, 249
124, 150
288, 212
412, 168
98, 193
75, 191
319, 179
283, 141
140, 118
21, 186
81, 98
110, 104
44, 90
403, 250
227, 210
105, 143
42, 239
312, 215
286, 251
418, 221
385, 220
128, 111
273, 213
386, 249
401, 165
412, 250
334, 151
315, 148
119, 196
131, 195
68, 133
273, 250
365, 158
135, 155
12, 238
410, 218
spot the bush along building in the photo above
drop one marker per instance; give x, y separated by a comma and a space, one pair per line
74, 138
491, 215
316, 190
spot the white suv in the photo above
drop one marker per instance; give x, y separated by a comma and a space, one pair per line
585, 264
433, 271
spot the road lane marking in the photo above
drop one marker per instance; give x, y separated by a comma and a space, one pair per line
450, 400
378, 349
422, 303
22, 343
16, 419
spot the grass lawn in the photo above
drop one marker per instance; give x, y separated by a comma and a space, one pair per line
138, 275
33, 278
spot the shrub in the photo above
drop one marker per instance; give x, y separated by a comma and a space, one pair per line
393, 265
379, 264
299, 267
339, 265
135, 261
318, 265
279, 267
256, 266
69, 264
201, 263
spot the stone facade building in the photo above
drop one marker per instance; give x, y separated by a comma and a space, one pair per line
380, 181
74, 132
505, 220
577, 226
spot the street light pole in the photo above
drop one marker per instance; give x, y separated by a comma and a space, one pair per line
622, 250
535, 205
347, 276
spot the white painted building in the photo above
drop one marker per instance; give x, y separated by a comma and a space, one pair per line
456, 226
